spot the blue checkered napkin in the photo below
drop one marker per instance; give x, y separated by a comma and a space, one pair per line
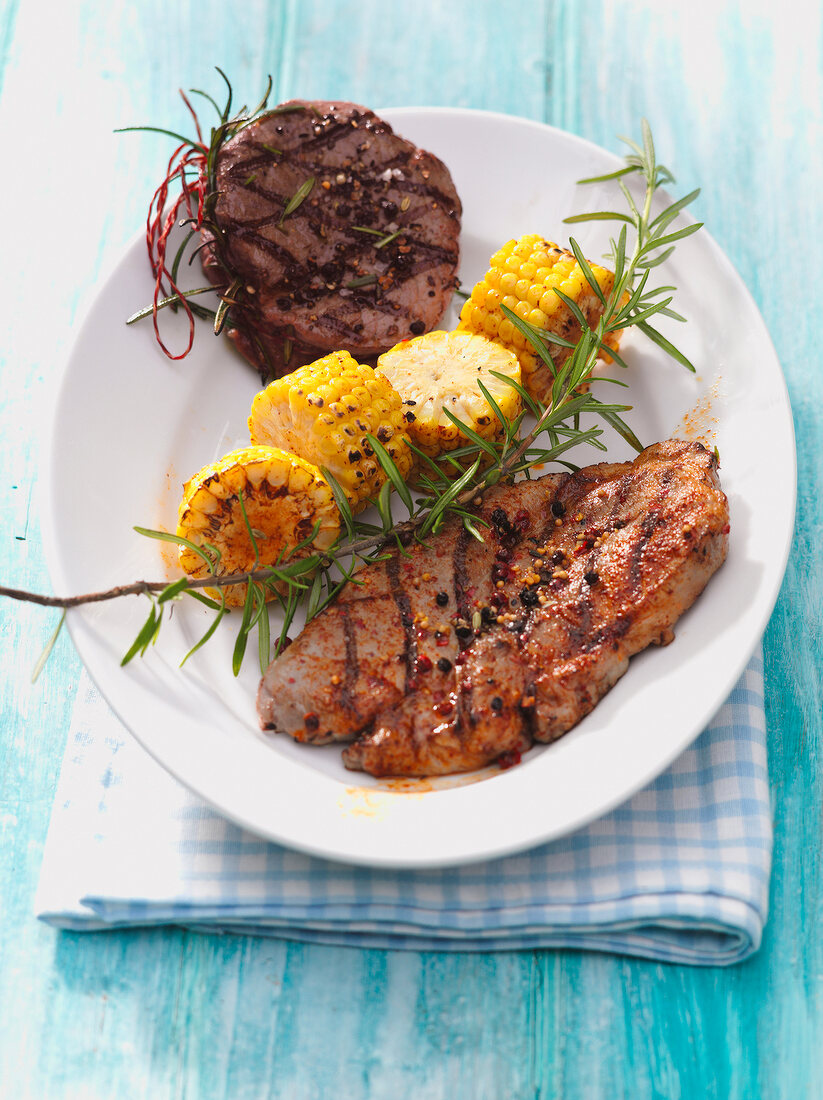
679, 873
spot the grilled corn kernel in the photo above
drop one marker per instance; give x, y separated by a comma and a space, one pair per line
323, 413
283, 497
441, 370
523, 276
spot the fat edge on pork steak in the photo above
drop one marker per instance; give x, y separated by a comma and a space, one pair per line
462, 653
368, 257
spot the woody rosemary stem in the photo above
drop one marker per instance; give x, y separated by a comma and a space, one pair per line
371, 542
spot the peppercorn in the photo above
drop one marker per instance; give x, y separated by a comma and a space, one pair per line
497, 703
441, 599
591, 578
444, 664
558, 509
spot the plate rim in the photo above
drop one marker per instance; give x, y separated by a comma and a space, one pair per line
328, 850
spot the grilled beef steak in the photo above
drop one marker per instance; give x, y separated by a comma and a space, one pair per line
368, 257
466, 652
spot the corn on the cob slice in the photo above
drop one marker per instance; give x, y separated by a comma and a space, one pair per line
523, 275
440, 370
323, 412
283, 497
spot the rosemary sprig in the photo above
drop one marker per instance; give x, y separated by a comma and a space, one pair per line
194, 166
451, 486
629, 302
300, 195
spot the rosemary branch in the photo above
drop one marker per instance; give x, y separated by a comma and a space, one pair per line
474, 467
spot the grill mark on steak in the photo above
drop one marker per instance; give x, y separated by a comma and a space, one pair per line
352, 665
662, 522
403, 603
581, 626
648, 525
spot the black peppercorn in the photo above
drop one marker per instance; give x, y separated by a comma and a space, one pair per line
497, 703
444, 664
558, 509
441, 599
591, 578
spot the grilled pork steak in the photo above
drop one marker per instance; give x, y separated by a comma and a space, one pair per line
466, 652
369, 256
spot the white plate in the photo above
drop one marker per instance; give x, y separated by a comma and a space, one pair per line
130, 426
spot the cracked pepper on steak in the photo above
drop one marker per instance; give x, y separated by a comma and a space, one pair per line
459, 653
295, 303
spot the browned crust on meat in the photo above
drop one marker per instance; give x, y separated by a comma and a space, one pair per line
579, 572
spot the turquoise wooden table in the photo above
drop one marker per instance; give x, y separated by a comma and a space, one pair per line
733, 93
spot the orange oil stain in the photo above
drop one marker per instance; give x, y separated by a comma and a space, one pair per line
165, 504
376, 802
699, 424
366, 802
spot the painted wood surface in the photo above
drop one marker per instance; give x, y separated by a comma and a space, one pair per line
733, 93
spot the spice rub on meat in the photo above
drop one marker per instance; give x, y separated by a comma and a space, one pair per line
463, 653
368, 255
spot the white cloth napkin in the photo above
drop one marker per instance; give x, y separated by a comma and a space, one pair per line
678, 873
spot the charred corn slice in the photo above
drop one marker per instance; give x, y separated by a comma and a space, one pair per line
283, 497
323, 412
440, 370
523, 276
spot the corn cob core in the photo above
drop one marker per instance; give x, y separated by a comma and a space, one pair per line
523, 276
441, 370
283, 497
323, 412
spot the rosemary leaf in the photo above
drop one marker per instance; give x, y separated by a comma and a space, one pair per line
221, 611
599, 216
670, 238
389, 238
392, 473
226, 302
608, 176
159, 130
297, 198
147, 632
383, 505
671, 212
666, 345
243, 632
205, 600
361, 280
173, 590
173, 299
587, 271
166, 536
471, 434
341, 500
